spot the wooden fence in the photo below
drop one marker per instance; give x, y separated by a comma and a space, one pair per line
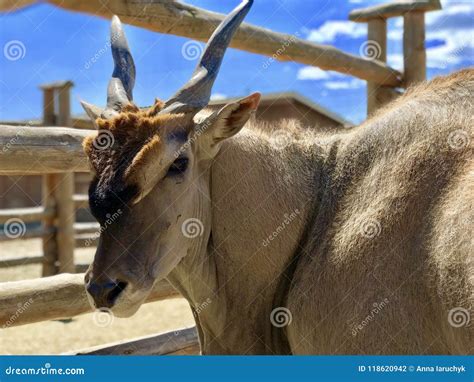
55, 152
64, 296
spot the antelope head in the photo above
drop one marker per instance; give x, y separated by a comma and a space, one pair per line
151, 186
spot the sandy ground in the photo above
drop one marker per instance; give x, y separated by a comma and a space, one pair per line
54, 337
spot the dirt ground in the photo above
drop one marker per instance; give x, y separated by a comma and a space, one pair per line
55, 337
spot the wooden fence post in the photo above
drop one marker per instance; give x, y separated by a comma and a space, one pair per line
58, 190
377, 36
414, 52
64, 194
50, 248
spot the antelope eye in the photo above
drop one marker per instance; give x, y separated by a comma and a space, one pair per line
178, 167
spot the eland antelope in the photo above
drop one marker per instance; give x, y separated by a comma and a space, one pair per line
358, 242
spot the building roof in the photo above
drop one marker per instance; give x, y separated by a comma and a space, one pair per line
275, 97
82, 120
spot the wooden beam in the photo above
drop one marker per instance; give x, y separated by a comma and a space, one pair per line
27, 233
49, 242
55, 297
26, 215
81, 201
394, 9
414, 52
14, 5
66, 214
377, 43
86, 240
158, 344
86, 227
15, 261
184, 20
36, 151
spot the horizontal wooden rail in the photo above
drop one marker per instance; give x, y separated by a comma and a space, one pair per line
26, 215
55, 297
86, 228
14, 261
83, 231
36, 151
185, 20
86, 240
81, 201
394, 9
23, 232
159, 344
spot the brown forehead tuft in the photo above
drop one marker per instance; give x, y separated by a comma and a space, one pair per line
121, 138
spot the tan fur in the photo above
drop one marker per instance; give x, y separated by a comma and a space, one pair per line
381, 220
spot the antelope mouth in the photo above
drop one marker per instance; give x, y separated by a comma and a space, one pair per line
116, 292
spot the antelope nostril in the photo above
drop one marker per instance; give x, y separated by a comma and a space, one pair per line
117, 289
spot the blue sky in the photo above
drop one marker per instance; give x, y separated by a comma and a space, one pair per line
54, 44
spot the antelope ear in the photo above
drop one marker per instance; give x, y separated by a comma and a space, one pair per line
226, 122
92, 111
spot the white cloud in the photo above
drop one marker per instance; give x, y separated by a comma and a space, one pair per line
330, 80
451, 27
218, 96
395, 61
328, 32
312, 73
354, 83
